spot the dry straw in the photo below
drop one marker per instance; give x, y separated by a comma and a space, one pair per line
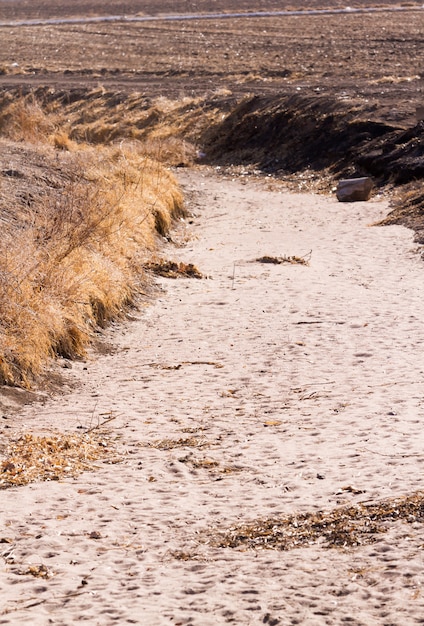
33, 458
342, 527
162, 129
77, 229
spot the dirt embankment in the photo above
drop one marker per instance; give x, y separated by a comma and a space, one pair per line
293, 133
316, 136
77, 228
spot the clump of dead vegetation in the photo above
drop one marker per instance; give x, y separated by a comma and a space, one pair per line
77, 228
38, 571
173, 269
279, 260
408, 208
39, 458
23, 119
343, 527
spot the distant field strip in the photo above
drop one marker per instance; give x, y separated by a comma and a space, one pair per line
207, 16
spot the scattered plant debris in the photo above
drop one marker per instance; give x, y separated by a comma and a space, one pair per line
231, 469
210, 464
343, 527
199, 463
192, 430
170, 444
38, 571
351, 489
278, 260
95, 534
181, 555
173, 269
31, 458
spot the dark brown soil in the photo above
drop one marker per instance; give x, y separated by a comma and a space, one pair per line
26, 9
374, 57
286, 135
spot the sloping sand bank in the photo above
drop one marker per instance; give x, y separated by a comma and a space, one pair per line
263, 390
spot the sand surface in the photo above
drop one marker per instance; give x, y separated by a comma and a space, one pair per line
279, 386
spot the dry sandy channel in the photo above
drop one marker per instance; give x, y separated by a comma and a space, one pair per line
297, 382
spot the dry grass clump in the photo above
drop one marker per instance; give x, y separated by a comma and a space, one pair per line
38, 571
173, 269
76, 231
173, 151
342, 527
408, 208
278, 260
166, 129
31, 458
24, 120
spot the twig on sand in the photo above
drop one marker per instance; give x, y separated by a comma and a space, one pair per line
318, 383
100, 425
396, 382
320, 322
401, 454
32, 603
161, 366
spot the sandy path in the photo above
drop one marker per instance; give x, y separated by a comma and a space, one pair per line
329, 355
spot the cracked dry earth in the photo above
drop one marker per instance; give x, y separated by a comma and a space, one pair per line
261, 391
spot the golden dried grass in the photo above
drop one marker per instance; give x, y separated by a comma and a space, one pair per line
25, 120
73, 259
163, 129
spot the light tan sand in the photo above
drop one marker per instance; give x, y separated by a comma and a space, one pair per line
331, 354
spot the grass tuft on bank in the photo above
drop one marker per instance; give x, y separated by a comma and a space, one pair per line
77, 229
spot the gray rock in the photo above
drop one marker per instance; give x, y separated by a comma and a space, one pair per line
419, 113
354, 189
